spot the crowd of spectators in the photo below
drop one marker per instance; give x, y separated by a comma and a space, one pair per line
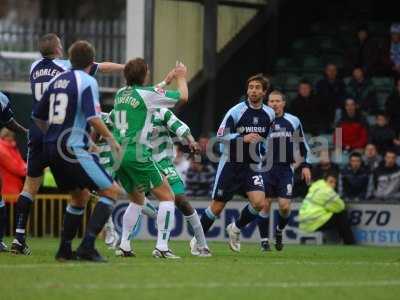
349, 113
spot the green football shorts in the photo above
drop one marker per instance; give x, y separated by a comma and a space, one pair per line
139, 176
168, 169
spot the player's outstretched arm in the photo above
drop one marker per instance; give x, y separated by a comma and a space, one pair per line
16, 127
110, 67
180, 75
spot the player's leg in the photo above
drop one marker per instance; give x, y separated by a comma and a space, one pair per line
248, 214
224, 186
37, 161
283, 218
263, 218
131, 223
129, 175
3, 222
22, 211
72, 221
184, 206
192, 218
254, 188
263, 225
284, 194
165, 219
108, 193
88, 173
149, 209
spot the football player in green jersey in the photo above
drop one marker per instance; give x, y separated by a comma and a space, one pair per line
138, 173
164, 124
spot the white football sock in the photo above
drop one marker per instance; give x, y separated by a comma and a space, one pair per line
194, 221
165, 223
149, 209
130, 219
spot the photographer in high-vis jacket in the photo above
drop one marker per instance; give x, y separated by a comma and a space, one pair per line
323, 209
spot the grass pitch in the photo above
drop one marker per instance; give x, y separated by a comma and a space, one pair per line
298, 272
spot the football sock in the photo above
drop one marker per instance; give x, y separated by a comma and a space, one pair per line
247, 215
130, 223
283, 219
149, 209
207, 219
72, 221
3, 218
263, 223
184, 207
165, 223
194, 222
98, 219
22, 209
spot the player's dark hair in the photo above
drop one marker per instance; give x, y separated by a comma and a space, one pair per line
356, 154
48, 44
261, 79
135, 71
81, 54
277, 92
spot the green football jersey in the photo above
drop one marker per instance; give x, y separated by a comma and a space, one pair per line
164, 123
105, 155
132, 115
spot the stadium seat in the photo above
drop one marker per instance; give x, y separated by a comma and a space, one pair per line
346, 80
312, 63
292, 81
383, 83
382, 96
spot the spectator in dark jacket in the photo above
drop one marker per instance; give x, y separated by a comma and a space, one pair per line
199, 179
391, 52
387, 178
362, 91
392, 108
371, 158
324, 166
309, 108
353, 128
355, 180
331, 90
364, 52
381, 134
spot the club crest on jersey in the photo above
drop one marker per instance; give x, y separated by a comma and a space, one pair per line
255, 120
277, 127
241, 129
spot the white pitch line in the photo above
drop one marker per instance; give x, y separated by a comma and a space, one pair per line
195, 263
217, 285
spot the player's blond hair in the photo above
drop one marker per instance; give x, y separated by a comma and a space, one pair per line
48, 44
277, 93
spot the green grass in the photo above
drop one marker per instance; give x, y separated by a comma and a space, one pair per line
298, 272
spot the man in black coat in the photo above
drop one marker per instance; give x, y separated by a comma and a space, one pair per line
331, 90
355, 180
